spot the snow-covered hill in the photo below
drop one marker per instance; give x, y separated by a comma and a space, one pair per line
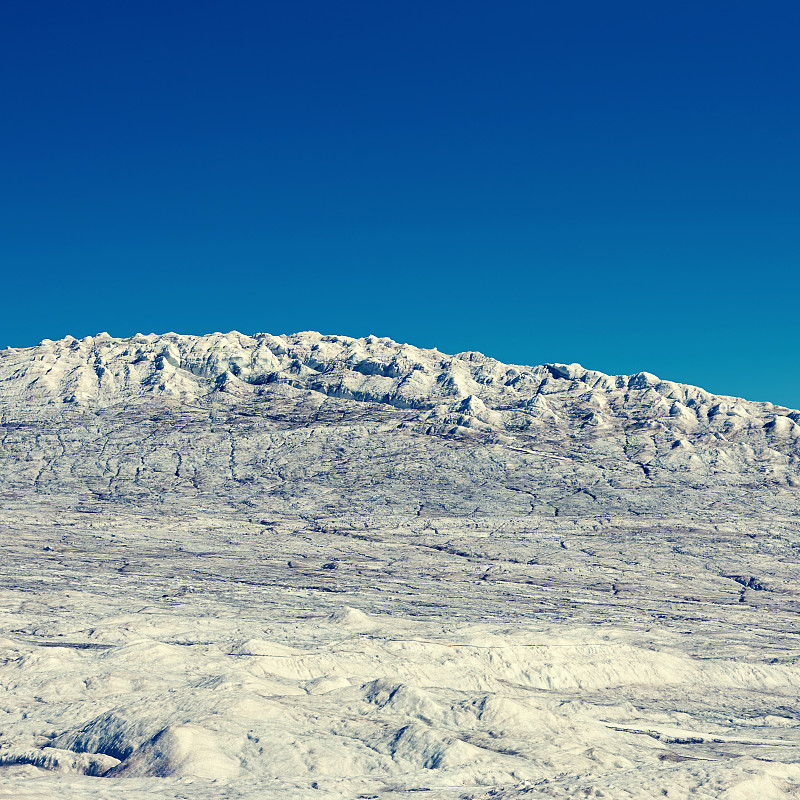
658, 425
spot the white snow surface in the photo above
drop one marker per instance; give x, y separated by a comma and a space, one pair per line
315, 566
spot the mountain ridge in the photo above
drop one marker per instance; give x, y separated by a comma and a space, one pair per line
677, 426
221, 357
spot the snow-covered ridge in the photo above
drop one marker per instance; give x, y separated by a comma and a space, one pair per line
467, 389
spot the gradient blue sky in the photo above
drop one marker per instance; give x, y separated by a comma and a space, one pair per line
614, 183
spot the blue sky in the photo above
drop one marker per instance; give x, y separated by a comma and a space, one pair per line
612, 183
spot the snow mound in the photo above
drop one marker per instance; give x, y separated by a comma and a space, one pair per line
352, 619
178, 751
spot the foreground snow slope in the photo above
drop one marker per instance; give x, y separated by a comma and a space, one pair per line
317, 566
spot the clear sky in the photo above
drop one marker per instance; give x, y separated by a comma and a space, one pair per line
614, 183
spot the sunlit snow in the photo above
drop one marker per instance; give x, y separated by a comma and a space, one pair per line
321, 567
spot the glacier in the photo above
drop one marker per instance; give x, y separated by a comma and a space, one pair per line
330, 567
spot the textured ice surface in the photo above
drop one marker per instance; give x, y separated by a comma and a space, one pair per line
315, 566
